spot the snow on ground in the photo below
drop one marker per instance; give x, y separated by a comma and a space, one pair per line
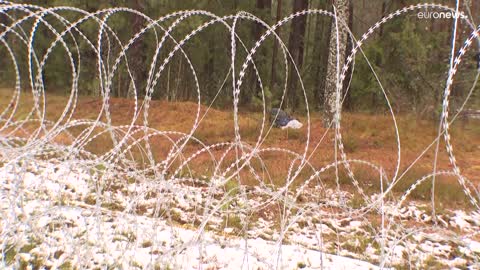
57, 215
43, 232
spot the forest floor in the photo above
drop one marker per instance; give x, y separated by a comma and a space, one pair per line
369, 137
324, 216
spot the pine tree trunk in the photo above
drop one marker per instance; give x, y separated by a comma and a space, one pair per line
136, 58
275, 49
320, 53
296, 45
252, 90
348, 75
336, 54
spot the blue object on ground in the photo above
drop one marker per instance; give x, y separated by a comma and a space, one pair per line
279, 117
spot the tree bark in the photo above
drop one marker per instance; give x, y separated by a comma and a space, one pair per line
137, 58
322, 34
348, 49
273, 78
261, 7
384, 13
296, 45
336, 55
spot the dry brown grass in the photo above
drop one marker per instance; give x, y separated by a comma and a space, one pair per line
367, 137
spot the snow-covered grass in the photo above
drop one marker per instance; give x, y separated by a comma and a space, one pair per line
50, 219
46, 223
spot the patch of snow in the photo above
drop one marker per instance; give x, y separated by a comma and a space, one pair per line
293, 124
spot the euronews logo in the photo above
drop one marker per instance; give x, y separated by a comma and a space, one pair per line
441, 15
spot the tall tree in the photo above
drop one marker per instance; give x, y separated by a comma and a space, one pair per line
275, 48
348, 49
336, 55
262, 7
320, 54
138, 50
296, 45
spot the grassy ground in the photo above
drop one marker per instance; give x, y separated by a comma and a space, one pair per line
365, 136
